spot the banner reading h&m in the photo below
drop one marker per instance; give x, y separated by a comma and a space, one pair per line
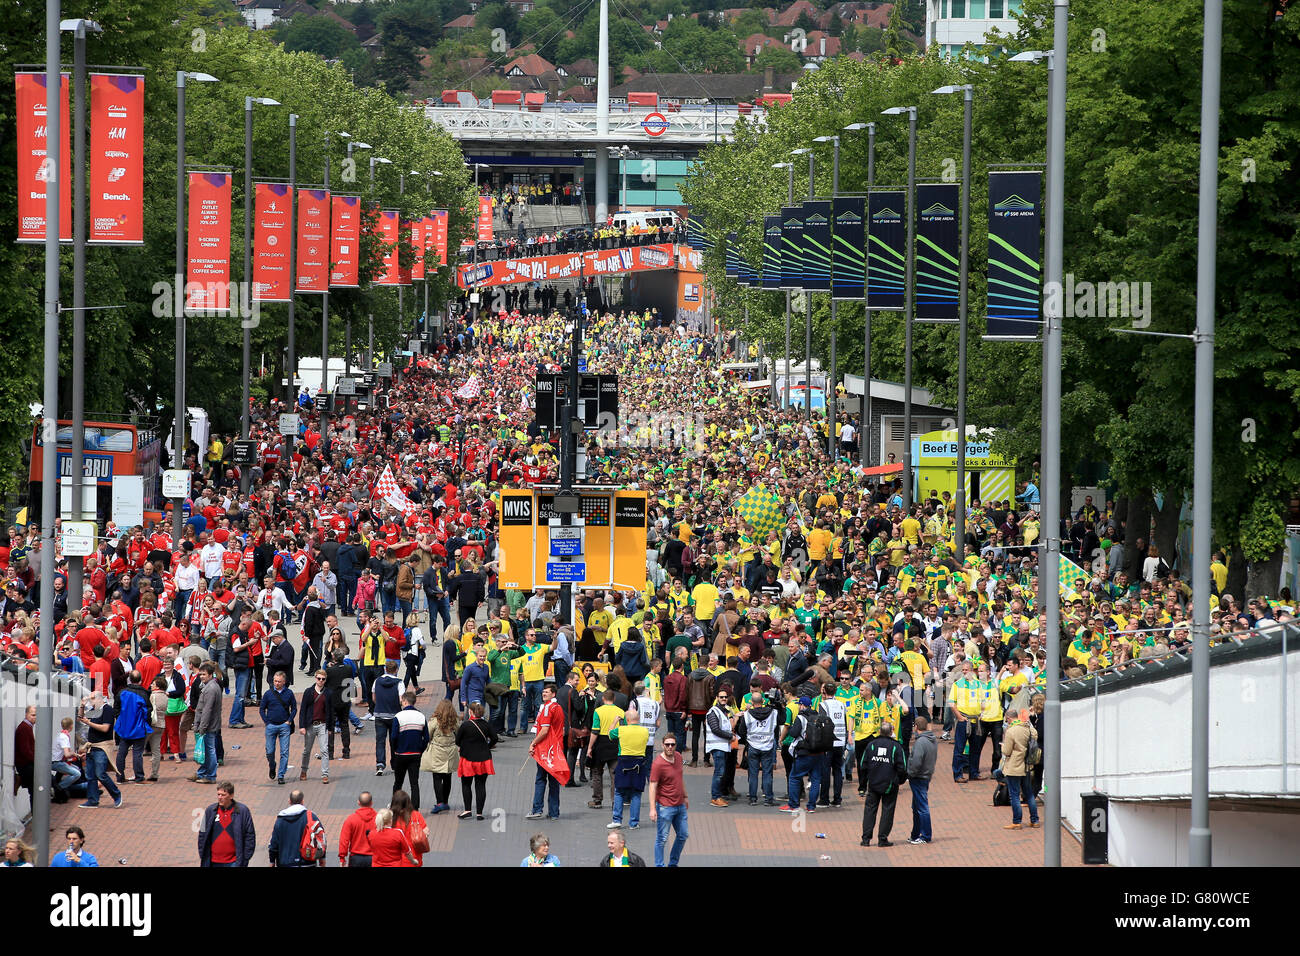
116, 184
29, 89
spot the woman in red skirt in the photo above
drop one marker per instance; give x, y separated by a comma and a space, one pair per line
475, 739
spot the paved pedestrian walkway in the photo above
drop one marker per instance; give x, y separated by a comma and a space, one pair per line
158, 823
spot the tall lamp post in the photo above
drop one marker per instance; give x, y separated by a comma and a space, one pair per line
864, 439
807, 326
835, 306
249, 103
1051, 487
382, 162
178, 427
789, 199
347, 326
78, 29
909, 292
959, 527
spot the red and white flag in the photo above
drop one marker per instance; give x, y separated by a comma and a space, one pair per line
470, 389
388, 489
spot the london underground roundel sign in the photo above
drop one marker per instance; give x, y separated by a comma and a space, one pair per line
655, 124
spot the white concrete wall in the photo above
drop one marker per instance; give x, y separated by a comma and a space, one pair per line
1147, 834
1144, 745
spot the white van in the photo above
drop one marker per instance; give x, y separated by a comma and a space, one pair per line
655, 217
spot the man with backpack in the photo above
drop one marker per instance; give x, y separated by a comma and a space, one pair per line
298, 838
837, 710
810, 739
884, 767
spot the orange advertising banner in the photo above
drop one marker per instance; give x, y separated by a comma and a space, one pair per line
207, 273
271, 205
485, 219
386, 233
29, 89
418, 246
116, 189
440, 235
313, 267
345, 242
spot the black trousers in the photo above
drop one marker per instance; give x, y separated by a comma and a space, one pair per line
339, 716
407, 765
479, 785
441, 788
886, 802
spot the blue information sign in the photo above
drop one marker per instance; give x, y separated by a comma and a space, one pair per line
566, 570
566, 547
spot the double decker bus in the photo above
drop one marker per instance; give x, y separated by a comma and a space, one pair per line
111, 449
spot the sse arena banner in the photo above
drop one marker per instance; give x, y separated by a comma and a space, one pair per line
937, 251
568, 266
116, 184
1015, 268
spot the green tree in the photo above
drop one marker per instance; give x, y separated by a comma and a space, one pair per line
544, 27
399, 62
500, 16
836, 26
320, 35
1130, 216
779, 59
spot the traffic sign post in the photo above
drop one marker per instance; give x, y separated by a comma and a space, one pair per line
610, 528
176, 483
78, 538
345, 386
597, 399
289, 425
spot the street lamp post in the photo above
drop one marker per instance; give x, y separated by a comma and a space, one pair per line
78, 29
1051, 488
789, 199
44, 731
909, 292
835, 306
292, 362
864, 439
347, 326
249, 103
807, 327
382, 162
959, 527
178, 296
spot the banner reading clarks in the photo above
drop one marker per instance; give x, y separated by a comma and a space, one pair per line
207, 271
570, 266
345, 242
29, 89
271, 242
116, 190
312, 272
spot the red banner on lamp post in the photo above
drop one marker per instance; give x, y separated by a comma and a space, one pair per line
313, 266
207, 272
418, 246
271, 203
29, 89
485, 219
440, 235
116, 159
386, 233
345, 242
